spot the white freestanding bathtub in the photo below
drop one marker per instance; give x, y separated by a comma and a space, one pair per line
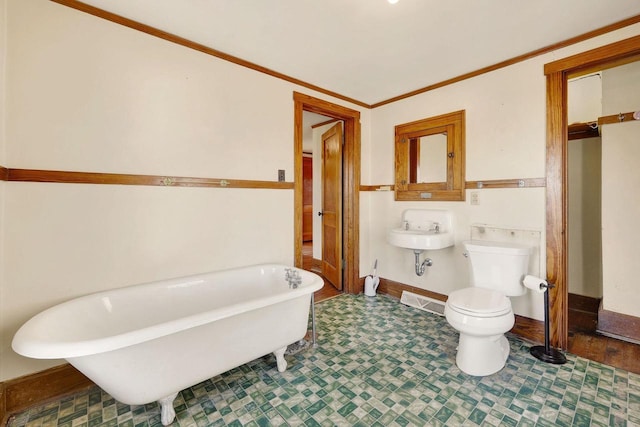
147, 342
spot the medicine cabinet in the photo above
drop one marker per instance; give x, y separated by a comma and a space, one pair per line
430, 158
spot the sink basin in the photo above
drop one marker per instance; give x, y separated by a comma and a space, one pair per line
420, 240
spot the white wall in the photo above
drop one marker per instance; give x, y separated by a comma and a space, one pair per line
84, 94
620, 183
620, 213
584, 269
584, 99
585, 219
501, 143
3, 39
506, 125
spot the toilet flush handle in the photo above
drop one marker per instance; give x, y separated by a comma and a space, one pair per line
465, 254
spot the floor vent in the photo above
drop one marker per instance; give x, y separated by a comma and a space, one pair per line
423, 303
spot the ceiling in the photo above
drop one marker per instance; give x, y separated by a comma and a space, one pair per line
370, 50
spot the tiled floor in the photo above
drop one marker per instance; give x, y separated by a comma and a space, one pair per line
378, 363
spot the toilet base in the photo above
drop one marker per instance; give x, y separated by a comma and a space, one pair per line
482, 356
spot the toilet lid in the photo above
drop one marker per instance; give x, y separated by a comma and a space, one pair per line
479, 302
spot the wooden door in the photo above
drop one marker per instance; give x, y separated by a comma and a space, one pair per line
332, 205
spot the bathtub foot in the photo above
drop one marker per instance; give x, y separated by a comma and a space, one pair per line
168, 413
282, 364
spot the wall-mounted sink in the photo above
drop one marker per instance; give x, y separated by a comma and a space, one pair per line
418, 239
423, 230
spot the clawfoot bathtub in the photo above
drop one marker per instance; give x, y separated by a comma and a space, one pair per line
147, 342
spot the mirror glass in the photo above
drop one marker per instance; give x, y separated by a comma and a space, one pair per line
430, 158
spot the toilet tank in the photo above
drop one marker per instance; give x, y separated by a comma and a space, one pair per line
498, 265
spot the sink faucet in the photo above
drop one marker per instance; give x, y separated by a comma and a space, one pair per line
436, 227
405, 225
293, 277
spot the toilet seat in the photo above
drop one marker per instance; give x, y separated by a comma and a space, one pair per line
479, 302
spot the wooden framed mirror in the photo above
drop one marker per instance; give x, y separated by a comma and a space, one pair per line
430, 158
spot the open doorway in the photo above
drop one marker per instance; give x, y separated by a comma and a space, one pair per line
322, 243
343, 217
584, 203
558, 74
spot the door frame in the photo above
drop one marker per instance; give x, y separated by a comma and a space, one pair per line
557, 74
350, 184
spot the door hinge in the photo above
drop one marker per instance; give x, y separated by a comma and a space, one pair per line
344, 264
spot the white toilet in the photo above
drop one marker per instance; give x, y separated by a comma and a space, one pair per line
482, 313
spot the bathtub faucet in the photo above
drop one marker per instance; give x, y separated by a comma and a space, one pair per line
293, 277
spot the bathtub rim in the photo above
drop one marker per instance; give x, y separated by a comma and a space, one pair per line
24, 345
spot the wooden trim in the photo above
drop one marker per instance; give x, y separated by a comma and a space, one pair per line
30, 390
530, 329
583, 131
556, 208
328, 122
506, 183
471, 185
556, 165
67, 177
619, 325
155, 32
382, 187
350, 181
579, 63
70, 177
517, 59
615, 118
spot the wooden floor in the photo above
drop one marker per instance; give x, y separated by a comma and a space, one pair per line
328, 291
585, 342
609, 351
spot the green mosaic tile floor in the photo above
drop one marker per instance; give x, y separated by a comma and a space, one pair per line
377, 363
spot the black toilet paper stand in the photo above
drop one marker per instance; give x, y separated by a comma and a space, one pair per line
545, 352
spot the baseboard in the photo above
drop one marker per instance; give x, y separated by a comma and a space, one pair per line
395, 289
24, 392
618, 325
584, 303
583, 313
529, 329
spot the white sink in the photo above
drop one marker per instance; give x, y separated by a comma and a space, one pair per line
419, 239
